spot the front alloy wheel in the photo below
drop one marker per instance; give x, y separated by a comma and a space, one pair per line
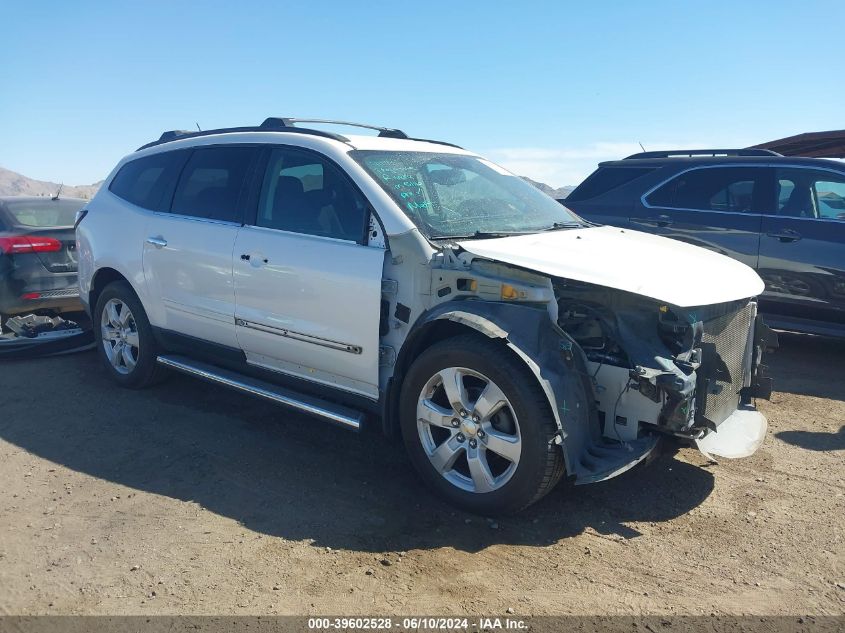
478, 426
468, 430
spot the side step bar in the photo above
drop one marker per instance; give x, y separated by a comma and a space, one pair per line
344, 416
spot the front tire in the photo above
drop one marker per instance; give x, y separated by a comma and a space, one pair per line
478, 428
125, 340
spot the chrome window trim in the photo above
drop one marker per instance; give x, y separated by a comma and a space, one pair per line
194, 218
795, 217
741, 213
323, 238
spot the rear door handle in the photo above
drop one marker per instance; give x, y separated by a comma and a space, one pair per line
259, 259
158, 242
786, 235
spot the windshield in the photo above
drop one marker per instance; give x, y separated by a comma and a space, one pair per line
451, 195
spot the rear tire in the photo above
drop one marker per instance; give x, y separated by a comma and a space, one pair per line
478, 427
125, 340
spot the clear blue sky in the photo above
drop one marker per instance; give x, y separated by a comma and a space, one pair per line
546, 88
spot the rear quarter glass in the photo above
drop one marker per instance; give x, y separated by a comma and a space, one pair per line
607, 179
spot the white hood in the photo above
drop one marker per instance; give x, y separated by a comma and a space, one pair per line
648, 265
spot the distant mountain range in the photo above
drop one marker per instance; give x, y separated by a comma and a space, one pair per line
557, 194
14, 184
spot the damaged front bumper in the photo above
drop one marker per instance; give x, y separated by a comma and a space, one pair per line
695, 382
743, 431
740, 435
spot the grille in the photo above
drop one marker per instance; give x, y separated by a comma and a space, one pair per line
726, 362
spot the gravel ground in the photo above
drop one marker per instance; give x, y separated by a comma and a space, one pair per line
188, 499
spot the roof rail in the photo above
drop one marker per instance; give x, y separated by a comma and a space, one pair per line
384, 132
174, 135
288, 124
702, 152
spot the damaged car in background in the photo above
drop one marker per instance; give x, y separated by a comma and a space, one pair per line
417, 286
38, 280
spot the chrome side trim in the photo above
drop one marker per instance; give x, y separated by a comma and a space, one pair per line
299, 336
311, 406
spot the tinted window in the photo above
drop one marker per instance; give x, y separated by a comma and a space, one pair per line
305, 193
43, 213
212, 183
606, 179
149, 181
811, 193
737, 189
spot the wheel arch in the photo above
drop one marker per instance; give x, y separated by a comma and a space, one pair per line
102, 278
547, 351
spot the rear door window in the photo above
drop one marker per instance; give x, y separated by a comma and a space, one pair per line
726, 189
213, 183
810, 193
148, 182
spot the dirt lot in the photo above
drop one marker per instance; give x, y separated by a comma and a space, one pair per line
189, 499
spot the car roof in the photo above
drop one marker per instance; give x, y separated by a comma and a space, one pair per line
387, 138
347, 144
322, 144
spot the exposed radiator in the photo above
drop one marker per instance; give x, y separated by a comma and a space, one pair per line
726, 361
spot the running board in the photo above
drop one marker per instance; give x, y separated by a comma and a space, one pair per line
344, 416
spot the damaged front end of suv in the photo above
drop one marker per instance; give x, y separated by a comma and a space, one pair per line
688, 372
622, 365
631, 337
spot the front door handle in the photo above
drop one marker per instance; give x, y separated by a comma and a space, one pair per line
787, 235
158, 242
660, 220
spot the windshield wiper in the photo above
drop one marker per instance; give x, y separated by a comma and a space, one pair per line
564, 225
482, 235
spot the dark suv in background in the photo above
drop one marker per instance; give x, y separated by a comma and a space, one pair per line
784, 216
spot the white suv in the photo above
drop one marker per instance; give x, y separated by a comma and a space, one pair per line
367, 278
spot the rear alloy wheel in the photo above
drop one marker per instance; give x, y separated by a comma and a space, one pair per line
119, 335
125, 338
478, 427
